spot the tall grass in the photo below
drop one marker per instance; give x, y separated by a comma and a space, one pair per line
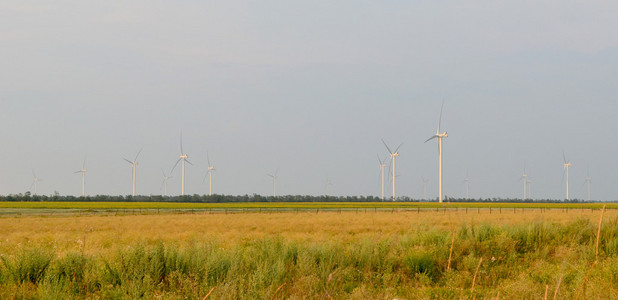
519, 261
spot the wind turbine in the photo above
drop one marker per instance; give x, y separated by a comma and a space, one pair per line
529, 189
327, 186
83, 171
134, 164
164, 184
467, 182
184, 157
211, 169
567, 165
393, 156
524, 177
588, 181
382, 165
439, 136
274, 177
35, 182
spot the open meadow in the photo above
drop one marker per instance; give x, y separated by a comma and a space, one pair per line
312, 254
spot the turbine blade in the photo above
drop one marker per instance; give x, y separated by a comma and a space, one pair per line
128, 160
387, 148
440, 120
564, 157
188, 162
431, 138
208, 158
181, 151
175, 165
140, 151
84, 164
398, 147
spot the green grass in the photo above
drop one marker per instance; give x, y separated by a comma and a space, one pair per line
518, 262
293, 205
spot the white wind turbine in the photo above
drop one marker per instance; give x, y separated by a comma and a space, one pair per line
567, 165
134, 164
524, 177
382, 166
467, 182
211, 169
164, 184
439, 136
327, 186
588, 181
35, 182
393, 156
184, 157
425, 181
274, 177
83, 171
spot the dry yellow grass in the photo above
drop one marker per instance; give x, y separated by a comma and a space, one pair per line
97, 234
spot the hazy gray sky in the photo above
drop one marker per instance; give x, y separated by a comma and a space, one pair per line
309, 88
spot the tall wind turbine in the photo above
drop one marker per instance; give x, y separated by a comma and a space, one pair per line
164, 184
382, 165
467, 182
529, 189
393, 156
524, 177
35, 182
327, 186
274, 177
134, 164
588, 181
567, 165
83, 171
211, 169
425, 182
439, 136
184, 157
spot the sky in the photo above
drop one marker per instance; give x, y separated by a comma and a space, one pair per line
309, 89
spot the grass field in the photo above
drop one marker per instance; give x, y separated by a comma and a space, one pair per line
312, 254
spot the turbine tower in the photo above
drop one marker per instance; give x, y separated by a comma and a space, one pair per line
439, 136
211, 169
588, 181
184, 157
35, 182
524, 177
83, 171
274, 177
327, 186
382, 165
393, 156
134, 164
164, 184
467, 182
567, 165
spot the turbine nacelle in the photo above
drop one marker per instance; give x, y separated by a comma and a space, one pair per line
184, 156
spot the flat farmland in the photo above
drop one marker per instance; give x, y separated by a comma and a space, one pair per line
312, 253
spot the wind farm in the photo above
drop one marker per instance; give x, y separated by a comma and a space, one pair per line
227, 150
